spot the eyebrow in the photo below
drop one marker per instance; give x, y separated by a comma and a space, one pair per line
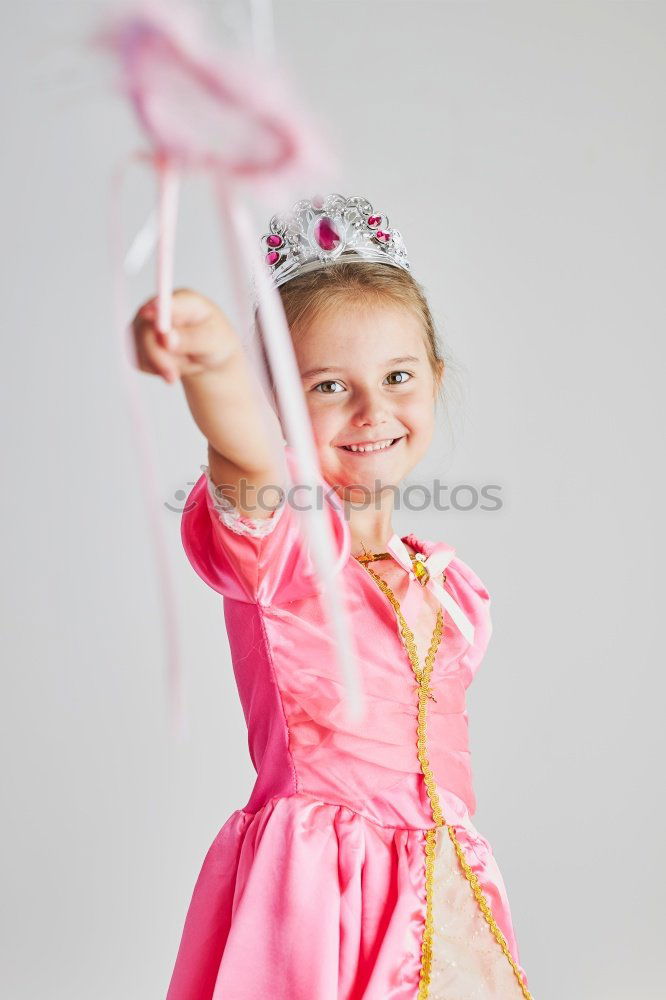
407, 359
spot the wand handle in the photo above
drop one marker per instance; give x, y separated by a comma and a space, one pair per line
168, 189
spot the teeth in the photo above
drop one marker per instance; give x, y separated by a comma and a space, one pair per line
369, 447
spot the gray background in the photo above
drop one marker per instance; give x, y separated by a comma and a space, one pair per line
520, 149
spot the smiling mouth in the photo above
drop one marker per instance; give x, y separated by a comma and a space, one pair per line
371, 449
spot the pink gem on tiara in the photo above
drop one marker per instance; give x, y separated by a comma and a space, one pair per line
374, 221
326, 234
274, 240
272, 257
382, 236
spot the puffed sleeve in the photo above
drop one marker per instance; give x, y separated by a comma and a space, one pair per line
472, 596
263, 561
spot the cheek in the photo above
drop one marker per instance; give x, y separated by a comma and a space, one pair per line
323, 422
418, 414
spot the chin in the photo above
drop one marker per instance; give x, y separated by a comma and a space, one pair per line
367, 481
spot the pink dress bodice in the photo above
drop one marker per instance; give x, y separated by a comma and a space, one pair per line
292, 697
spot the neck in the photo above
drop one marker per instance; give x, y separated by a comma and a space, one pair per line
369, 523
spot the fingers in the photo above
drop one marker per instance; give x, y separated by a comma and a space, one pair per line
148, 313
202, 340
151, 356
188, 308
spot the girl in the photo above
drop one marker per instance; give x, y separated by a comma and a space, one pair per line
354, 870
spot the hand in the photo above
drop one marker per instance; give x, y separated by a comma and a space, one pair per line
201, 338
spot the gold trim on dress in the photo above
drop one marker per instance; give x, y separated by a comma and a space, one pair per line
424, 693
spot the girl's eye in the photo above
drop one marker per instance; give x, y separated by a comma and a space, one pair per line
330, 382
402, 379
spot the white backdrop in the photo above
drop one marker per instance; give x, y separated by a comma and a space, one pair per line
520, 149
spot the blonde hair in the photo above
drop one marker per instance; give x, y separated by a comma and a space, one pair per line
365, 281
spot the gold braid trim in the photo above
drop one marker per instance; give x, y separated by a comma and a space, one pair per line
426, 941
425, 692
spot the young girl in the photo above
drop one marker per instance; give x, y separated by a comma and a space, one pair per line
354, 870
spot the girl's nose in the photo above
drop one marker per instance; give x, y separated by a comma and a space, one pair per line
369, 409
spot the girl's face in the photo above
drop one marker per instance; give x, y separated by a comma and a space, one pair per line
367, 382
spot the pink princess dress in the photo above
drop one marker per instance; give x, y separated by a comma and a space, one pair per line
354, 872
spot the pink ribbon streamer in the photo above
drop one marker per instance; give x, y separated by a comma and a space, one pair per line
148, 472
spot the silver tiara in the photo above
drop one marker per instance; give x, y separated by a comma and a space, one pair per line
321, 230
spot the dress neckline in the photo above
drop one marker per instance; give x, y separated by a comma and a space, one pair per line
421, 545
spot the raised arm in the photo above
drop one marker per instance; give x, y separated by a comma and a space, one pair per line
225, 399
